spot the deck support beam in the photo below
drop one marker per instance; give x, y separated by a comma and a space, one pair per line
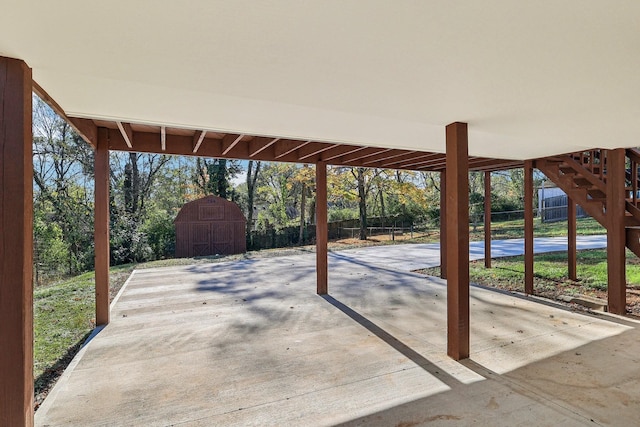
457, 240
101, 227
322, 229
443, 224
615, 214
528, 227
571, 240
16, 244
487, 219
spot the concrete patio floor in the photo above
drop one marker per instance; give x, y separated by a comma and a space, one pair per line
250, 343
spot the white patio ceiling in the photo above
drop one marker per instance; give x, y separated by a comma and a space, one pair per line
532, 78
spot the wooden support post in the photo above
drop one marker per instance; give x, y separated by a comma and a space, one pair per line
487, 219
443, 225
615, 215
16, 244
322, 231
571, 239
528, 227
101, 227
457, 202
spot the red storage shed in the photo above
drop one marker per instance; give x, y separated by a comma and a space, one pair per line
210, 226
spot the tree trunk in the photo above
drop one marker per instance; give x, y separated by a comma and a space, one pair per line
382, 209
221, 178
303, 202
252, 177
362, 203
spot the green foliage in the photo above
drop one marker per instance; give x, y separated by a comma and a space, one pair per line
341, 214
129, 243
50, 250
213, 176
161, 233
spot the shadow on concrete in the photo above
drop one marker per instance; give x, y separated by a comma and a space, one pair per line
394, 342
581, 386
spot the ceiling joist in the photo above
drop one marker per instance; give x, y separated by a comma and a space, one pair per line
260, 148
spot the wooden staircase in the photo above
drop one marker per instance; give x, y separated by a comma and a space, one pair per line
583, 176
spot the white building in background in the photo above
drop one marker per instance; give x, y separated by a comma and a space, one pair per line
545, 193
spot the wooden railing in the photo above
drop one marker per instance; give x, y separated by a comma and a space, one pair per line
633, 162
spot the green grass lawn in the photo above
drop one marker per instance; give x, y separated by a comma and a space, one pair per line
550, 273
63, 317
513, 230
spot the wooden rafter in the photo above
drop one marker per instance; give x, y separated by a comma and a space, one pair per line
84, 127
437, 160
362, 154
408, 159
262, 148
311, 150
287, 146
127, 133
386, 156
198, 137
339, 151
259, 144
230, 141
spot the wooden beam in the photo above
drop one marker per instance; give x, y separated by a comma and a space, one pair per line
86, 128
571, 239
443, 225
528, 227
101, 227
163, 138
480, 163
361, 154
616, 243
322, 233
413, 157
339, 151
16, 244
259, 144
393, 154
127, 133
427, 161
457, 241
314, 148
230, 141
147, 142
496, 166
487, 220
284, 147
198, 137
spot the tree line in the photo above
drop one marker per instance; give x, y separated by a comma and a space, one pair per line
148, 190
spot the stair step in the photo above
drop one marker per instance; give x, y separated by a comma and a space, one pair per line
594, 193
582, 182
568, 170
631, 222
